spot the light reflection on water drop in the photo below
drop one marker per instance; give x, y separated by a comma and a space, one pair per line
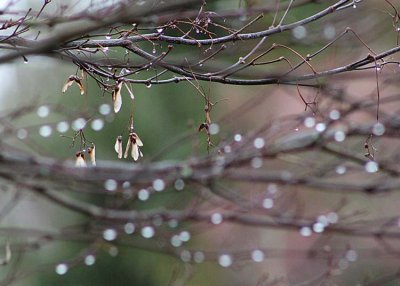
305, 231
61, 268
371, 167
105, 109
90, 260
22, 134
179, 185
257, 255
43, 111
158, 185
186, 256
198, 257
216, 218
109, 234
147, 231
225, 260
111, 185
45, 130
143, 195
62, 126
129, 228
97, 124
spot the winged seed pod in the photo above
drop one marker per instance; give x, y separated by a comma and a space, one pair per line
70, 81
118, 146
92, 154
80, 159
117, 98
135, 143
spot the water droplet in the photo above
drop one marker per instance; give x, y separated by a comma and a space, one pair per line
318, 227
198, 257
186, 256
154, 50
299, 32
61, 268
129, 228
90, 260
214, 129
339, 136
143, 195
172, 223
268, 203
113, 251
45, 130
43, 111
110, 185
179, 185
351, 255
147, 231
225, 260
237, 137
334, 114
305, 231
340, 170
105, 109
78, 124
354, 6
323, 220
257, 255
256, 162
62, 126
158, 185
227, 149
332, 217
216, 218
272, 189
259, 143
22, 134
184, 236
175, 241
105, 49
329, 32
160, 30
110, 234
148, 85
371, 167
309, 122
378, 129
320, 127
97, 124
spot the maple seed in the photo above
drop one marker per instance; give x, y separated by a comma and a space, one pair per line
92, 153
70, 81
135, 143
118, 146
80, 159
116, 98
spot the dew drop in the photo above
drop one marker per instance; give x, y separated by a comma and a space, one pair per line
257, 255
45, 130
158, 185
272, 189
43, 111
299, 32
268, 203
256, 162
318, 227
227, 149
113, 251
237, 137
309, 122
143, 195
22, 134
198, 257
172, 223
78, 124
320, 127
340, 170
97, 124
175, 241
105, 49
339, 136
110, 234
334, 114
186, 256
148, 85
160, 30
351, 255
184, 236
129, 228
110, 185
259, 143
61, 268
90, 260
179, 185
371, 167
147, 231
305, 231
378, 129
216, 218
332, 217
225, 260
214, 129
108, 37
62, 126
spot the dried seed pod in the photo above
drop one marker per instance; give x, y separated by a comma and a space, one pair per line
70, 81
80, 159
134, 142
118, 146
92, 155
117, 98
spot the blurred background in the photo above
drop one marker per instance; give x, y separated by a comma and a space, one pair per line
52, 245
